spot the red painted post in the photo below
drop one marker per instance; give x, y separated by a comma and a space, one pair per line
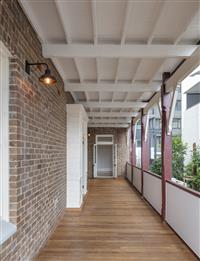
133, 147
166, 99
144, 146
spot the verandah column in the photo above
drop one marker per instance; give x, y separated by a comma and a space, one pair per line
166, 154
133, 147
144, 146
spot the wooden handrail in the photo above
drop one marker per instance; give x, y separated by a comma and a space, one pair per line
188, 190
152, 174
134, 166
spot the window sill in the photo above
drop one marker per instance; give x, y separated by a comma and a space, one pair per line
6, 230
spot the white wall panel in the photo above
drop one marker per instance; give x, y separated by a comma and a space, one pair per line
76, 155
137, 178
129, 171
183, 215
152, 189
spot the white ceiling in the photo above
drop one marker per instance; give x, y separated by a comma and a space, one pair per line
111, 54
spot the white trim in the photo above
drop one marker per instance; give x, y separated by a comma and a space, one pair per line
7, 230
4, 132
4, 51
104, 142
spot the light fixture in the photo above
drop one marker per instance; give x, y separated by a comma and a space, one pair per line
46, 78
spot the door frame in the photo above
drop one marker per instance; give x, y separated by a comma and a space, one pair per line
95, 155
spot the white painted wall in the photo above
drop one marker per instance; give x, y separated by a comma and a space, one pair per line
183, 215
152, 190
76, 157
137, 173
129, 171
190, 118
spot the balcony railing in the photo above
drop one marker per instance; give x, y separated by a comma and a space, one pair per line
182, 204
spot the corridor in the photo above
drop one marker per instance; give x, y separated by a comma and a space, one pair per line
114, 225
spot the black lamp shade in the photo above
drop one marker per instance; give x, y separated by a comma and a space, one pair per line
47, 78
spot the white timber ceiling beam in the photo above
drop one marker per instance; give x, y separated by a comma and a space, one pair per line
95, 34
125, 121
112, 114
128, 11
103, 104
137, 70
161, 12
61, 11
117, 51
94, 21
150, 39
108, 125
137, 86
178, 38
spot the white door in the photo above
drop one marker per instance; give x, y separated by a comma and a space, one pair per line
115, 160
95, 160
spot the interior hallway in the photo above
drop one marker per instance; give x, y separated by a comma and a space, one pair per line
114, 225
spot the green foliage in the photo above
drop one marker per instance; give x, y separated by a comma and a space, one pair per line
192, 170
178, 154
156, 166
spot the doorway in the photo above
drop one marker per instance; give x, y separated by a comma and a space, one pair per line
104, 157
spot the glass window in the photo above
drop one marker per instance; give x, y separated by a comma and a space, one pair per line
193, 99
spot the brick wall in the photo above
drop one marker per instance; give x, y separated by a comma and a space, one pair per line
120, 138
37, 128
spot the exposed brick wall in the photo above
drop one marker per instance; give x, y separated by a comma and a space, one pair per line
37, 140
120, 138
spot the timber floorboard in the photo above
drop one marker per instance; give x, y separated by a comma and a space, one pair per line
115, 224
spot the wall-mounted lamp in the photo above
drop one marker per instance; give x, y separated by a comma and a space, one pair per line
46, 78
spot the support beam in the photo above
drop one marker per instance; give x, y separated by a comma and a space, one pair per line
124, 121
166, 99
184, 70
117, 51
138, 86
107, 125
161, 12
112, 114
144, 146
114, 104
129, 6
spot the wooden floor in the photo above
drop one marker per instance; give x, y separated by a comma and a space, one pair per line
114, 225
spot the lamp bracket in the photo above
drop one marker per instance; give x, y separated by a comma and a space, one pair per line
28, 65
